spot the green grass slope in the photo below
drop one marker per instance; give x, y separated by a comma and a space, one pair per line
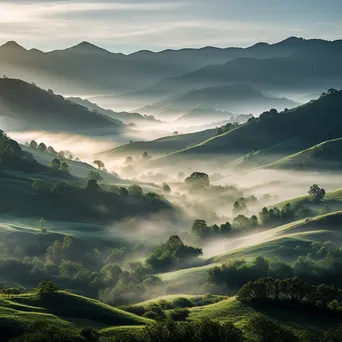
240, 314
287, 242
324, 156
160, 146
287, 132
72, 308
30, 312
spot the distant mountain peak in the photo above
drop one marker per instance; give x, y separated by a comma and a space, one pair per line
12, 45
87, 47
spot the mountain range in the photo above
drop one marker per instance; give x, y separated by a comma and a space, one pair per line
86, 68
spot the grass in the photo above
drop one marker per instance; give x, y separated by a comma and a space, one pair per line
288, 241
180, 301
160, 146
324, 156
240, 314
69, 307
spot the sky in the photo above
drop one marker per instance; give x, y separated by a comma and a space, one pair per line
130, 25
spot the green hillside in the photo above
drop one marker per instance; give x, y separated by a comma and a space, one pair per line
60, 311
232, 310
286, 133
25, 105
162, 145
324, 156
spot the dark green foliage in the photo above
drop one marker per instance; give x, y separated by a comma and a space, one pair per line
206, 330
95, 176
64, 167
198, 180
292, 293
178, 315
268, 331
92, 185
172, 255
135, 190
55, 164
46, 287
316, 193
12, 157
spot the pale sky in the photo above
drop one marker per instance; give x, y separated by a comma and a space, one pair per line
131, 25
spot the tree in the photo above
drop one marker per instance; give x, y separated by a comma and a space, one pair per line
95, 176
316, 193
64, 167
61, 155
92, 185
55, 164
200, 228
52, 151
33, 144
198, 179
175, 133
42, 147
123, 191
135, 190
42, 225
166, 187
146, 156
46, 287
99, 164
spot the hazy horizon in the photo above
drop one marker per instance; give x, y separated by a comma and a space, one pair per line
139, 25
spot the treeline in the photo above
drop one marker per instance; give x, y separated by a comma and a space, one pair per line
294, 294
107, 274
89, 200
322, 264
12, 157
244, 224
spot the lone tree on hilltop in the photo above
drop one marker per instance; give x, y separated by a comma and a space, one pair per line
99, 164
316, 193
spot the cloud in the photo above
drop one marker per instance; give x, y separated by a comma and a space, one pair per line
158, 24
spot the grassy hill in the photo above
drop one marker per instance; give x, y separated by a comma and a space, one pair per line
324, 156
282, 133
287, 242
26, 106
162, 145
77, 168
240, 314
237, 98
31, 312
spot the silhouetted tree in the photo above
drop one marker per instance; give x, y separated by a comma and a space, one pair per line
316, 193
99, 164
198, 179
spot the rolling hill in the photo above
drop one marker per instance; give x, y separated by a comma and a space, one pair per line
305, 69
26, 106
279, 134
160, 146
125, 117
324, 156
86, 68
237, 98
